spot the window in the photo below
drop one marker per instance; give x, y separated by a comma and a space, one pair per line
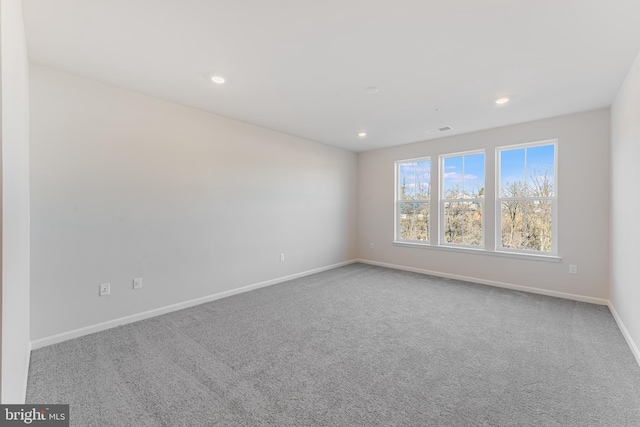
462, 199
523, 201
527, 198
413, 196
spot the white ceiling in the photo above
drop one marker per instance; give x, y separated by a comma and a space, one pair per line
302, 66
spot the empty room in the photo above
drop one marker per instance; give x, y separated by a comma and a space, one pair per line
305, 213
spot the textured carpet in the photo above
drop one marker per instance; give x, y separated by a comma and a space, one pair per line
355, 346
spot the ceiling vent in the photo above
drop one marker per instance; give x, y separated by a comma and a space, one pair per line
442, 129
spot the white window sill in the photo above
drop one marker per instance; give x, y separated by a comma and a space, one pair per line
481, 251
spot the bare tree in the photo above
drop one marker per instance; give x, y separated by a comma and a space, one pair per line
463, 217
526, 223
414, 211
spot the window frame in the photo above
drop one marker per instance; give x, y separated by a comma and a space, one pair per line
553, 199
398, 202
442, 200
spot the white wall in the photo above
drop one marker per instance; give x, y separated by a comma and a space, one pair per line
15, 203
124, 186
625, 206
583, 216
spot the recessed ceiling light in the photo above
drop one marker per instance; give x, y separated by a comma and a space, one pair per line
218, 79
371, 90
501, 101
362, 134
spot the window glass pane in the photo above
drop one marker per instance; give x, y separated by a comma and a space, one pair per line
414, 221
407, 181
538, 225
540, 171
513, 230
423, 179
472, 231
407, 223
453, 177
512, 177
474, 175
422, 221
454, 222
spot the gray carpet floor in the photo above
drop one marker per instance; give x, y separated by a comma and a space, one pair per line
355, 346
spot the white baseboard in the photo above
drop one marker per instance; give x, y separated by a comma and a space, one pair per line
575, 297
600, 301
25, 381
54, 339
625, 333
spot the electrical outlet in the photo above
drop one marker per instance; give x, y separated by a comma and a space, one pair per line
573, 269
371, 245
281, 257
105, 289
137, 283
